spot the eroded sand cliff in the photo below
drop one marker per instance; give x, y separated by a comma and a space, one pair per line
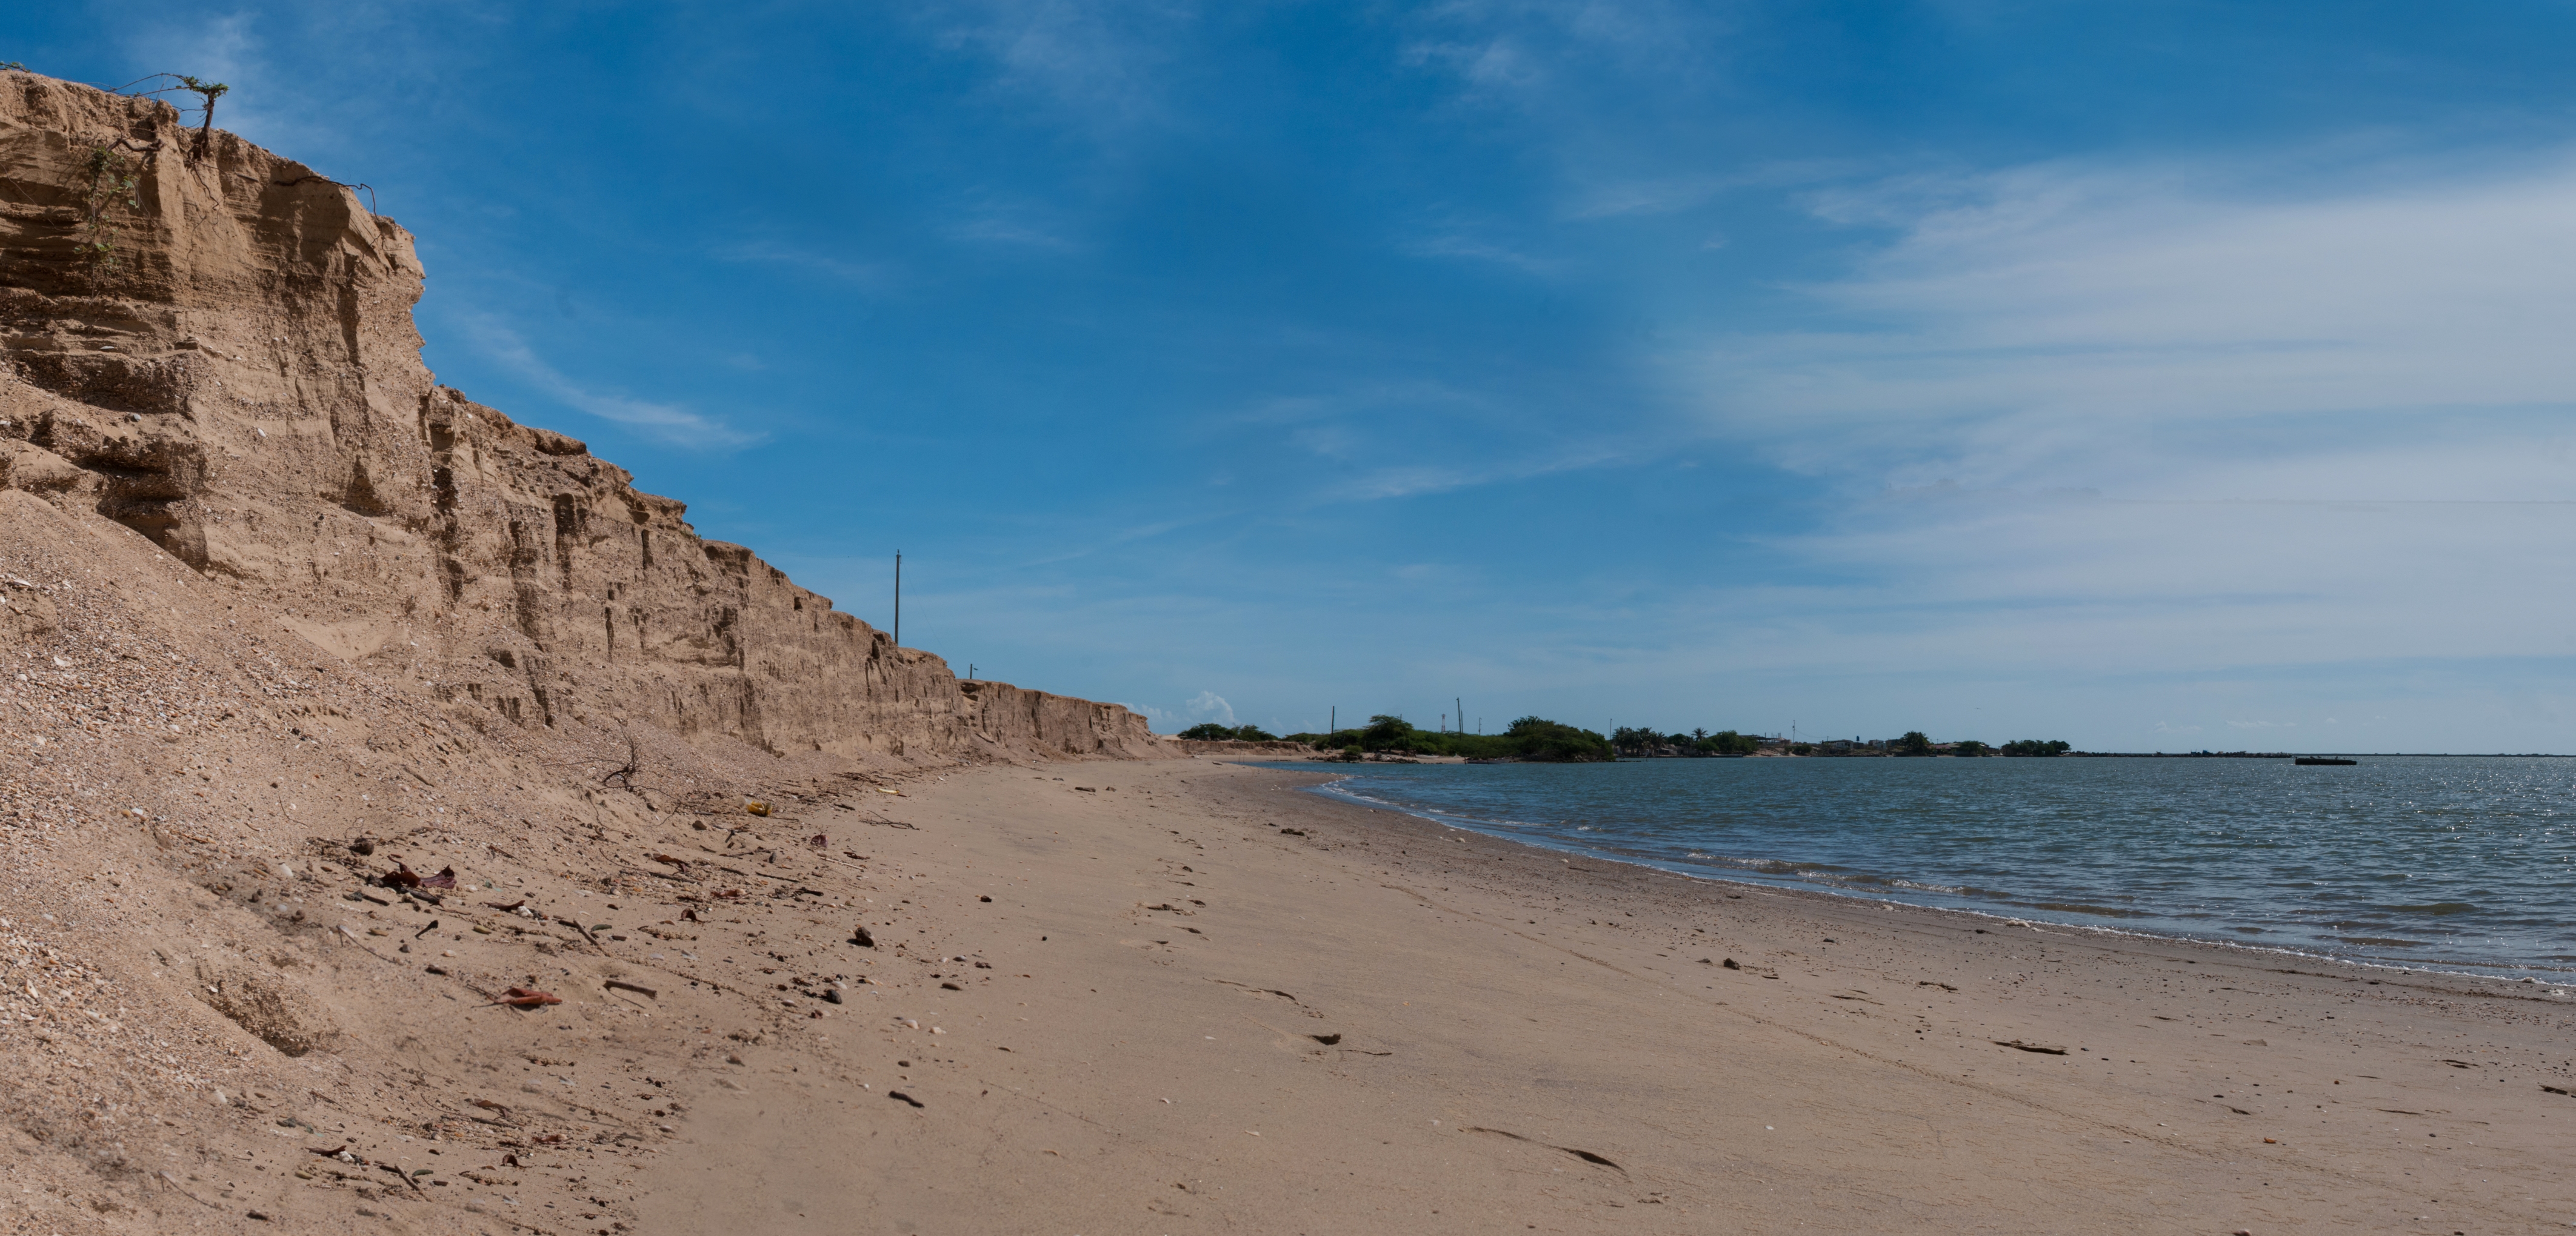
221, 358
277, 612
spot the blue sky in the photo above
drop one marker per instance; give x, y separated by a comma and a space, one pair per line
2154, 376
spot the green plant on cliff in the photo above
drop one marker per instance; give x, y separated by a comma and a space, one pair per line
112, 184
208, 91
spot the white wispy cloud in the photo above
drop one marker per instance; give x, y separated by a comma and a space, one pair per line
671, 423
1478, 249
2072, 325
1401, 439
1210, 706
1099, 65
868, 276
1012, 229
2149, 424
227, 49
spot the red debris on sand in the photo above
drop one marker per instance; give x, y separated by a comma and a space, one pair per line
528, 998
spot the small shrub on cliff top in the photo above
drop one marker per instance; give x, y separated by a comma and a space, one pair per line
209, 91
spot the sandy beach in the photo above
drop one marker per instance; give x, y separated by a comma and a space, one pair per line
408, 824
1202, 1000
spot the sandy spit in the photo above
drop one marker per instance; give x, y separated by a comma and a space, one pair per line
1199, 1000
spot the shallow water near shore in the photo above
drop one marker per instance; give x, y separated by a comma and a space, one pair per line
2439, 862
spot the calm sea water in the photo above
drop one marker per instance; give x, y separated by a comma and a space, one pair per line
2448, 863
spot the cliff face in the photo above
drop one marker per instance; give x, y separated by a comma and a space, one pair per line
212, 346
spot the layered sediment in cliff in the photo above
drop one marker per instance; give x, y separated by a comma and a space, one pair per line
212, 346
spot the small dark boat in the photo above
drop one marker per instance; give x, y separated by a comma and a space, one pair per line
2323, 759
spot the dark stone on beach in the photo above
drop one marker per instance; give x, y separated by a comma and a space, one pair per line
1326, 1039
950, 987
897, 1094
983, 899
1294, 832
1729, 963
859, 936
832, 995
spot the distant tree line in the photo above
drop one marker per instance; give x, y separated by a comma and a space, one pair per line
1535, 739
1635, 740
1916, 743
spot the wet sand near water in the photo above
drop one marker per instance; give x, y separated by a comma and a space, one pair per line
1194, 1021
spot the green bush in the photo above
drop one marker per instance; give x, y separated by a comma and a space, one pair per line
2034, 746
1727, 742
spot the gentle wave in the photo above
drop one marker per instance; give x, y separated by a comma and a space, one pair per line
2303, 858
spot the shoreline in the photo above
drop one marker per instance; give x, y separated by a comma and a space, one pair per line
2518, 972
2555, 990
1219, 1002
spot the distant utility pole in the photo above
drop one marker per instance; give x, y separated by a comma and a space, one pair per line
1461, 714
898, 598
1333, 726
970, 671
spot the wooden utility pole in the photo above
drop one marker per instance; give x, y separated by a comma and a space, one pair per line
898, 598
